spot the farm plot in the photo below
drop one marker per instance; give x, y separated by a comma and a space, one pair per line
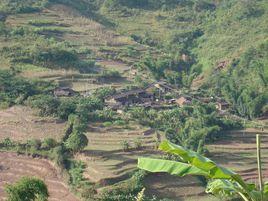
20, 123
238, 151
107, 163
13, 167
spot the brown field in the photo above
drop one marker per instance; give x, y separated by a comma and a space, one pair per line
13, 167
20, 123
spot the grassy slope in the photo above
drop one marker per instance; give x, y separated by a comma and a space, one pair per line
228, 31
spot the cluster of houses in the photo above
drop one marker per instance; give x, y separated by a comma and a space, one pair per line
152, 96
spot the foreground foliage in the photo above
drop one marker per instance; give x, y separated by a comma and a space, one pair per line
27, 189
223, 180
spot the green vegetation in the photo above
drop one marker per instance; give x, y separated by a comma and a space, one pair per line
248, 98
28, 189
15, 89
27, 6
189, 126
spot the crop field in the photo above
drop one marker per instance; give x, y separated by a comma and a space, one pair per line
107, 163
21, 123
107, 159
13, 167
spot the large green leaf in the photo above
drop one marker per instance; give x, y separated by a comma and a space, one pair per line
194, 164
222, 187
171, 167
214, 171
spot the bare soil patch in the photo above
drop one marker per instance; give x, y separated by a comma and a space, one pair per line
13, 167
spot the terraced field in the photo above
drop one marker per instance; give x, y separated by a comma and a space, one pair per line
13, 167
238, 152
106, 162
104, 45
21, 123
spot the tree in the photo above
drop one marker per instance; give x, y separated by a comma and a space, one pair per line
76, 142
223, 180
27, 189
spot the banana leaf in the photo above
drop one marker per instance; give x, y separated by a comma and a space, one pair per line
214, 171
172, 167
195, 164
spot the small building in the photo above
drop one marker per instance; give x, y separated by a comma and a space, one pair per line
222, 105
159, 89
64, 91
132, 97
184, 100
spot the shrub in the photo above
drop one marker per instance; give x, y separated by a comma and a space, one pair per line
107, 124
110, 74
27, 189
138, 143
125, 145
34, 143
49, 143
7, 142
76, 142
76, 172
46, 104
66, 107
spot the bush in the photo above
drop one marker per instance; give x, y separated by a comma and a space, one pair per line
66, 107
46, 104
88, 192
34, 143
138, 143
76, 142
107, 124
49, 143
76, 172
14, 89
110, 74
27, 189
7, 142
125, 145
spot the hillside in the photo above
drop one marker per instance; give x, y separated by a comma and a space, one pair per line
89, 86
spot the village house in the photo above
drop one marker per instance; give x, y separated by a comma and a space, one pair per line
64, 91
184, 100
162, 86
132, 97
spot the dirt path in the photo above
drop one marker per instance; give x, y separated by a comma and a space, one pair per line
13, 167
